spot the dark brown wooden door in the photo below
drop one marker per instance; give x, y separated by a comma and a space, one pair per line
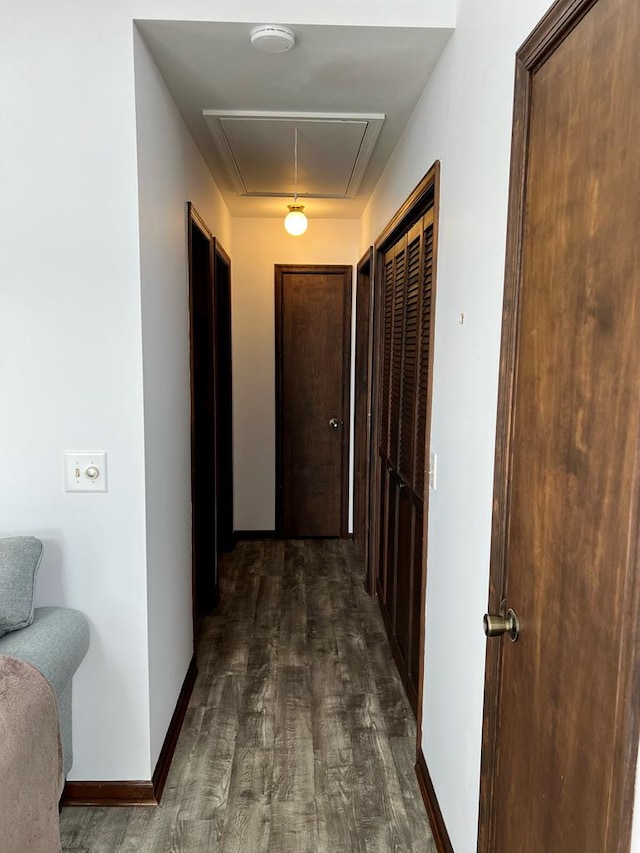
224, 401
561, 705
313, 332
203, 408
407, 271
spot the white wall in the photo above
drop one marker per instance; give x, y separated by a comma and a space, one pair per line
170, 172
70, 355
463, 119
258, 245
71, 347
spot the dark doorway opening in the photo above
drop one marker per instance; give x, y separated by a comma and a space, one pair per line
224, 402
203, 417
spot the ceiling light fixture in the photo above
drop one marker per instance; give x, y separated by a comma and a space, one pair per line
295, 222
272, 38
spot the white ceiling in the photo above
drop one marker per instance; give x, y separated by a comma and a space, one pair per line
364, 70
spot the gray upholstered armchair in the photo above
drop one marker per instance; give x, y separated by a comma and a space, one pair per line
40, 649
54, 640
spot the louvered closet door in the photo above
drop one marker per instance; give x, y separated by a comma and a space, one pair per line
420, 460
383, 414
393, 307
404, 395
406, 457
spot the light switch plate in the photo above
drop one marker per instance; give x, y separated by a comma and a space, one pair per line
85, 472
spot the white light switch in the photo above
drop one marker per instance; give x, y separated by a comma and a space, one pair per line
85, 472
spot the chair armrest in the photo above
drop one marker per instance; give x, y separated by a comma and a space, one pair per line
55, 643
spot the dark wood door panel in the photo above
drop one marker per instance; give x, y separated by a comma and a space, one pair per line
390, 543
562, 702
404, 610
313, 311
311, 395
417, 603
383, 508
405, 348
397, 341
409, 397
203, 417
425, 356
224, 398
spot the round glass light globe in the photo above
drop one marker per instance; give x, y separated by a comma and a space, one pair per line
295, 222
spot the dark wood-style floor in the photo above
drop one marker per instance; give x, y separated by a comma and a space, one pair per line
298, 737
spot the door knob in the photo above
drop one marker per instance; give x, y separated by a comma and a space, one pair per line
495, 625
334, 423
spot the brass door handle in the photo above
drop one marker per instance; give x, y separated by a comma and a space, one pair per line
495, 625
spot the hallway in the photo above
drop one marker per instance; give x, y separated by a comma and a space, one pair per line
298, 737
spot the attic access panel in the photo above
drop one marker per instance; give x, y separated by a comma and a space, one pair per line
258, 151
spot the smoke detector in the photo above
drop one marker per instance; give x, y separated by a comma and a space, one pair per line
272, 38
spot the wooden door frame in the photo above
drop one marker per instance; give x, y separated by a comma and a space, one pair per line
556, 25
362, 432
347, 272
220, 255
194, 220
